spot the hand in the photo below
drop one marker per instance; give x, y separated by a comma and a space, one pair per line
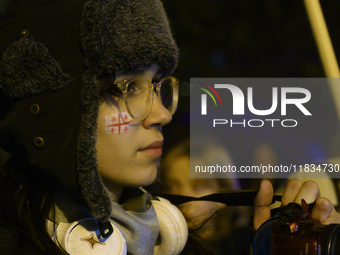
323, 209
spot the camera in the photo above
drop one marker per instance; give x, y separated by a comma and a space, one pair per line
293, 232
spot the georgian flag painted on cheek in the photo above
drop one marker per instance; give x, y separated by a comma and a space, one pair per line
118, 123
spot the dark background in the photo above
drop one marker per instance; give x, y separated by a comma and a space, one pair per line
268, 38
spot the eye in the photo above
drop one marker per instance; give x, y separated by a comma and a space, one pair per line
114, 90
133, 88
137, 87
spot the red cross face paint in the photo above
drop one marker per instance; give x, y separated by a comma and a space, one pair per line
118, 123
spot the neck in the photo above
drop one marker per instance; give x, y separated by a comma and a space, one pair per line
114, 190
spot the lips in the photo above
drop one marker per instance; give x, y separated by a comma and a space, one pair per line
154, 149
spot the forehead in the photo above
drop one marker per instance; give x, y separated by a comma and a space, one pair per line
152, 72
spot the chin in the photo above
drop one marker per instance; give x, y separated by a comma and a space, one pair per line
146, 179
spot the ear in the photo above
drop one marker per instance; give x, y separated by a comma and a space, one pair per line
173, 229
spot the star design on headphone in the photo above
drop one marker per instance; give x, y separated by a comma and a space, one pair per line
93, 242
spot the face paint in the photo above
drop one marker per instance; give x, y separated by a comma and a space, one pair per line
118, 123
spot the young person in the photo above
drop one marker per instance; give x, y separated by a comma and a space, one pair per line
81, 114
81, 120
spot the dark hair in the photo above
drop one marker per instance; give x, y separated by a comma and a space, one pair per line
25, 204
196, 245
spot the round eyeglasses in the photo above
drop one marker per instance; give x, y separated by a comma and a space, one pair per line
138, 95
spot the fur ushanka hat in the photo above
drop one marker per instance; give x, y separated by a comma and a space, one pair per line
52, 55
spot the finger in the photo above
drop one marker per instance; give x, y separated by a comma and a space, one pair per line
262, 203
291, 190
325, 212
309, 192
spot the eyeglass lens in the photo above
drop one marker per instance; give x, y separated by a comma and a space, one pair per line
139, 96
166, 93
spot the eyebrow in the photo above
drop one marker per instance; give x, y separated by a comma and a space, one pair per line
140, 72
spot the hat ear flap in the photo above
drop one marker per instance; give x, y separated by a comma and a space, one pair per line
27, 68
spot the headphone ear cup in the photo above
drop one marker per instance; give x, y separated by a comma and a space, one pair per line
173, 228
83, 237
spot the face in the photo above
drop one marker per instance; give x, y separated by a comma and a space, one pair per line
129, 157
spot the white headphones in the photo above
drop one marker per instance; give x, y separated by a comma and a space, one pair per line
83, 236
173, 228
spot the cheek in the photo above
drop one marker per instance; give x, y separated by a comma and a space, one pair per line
117, 123
113, 154
113, 137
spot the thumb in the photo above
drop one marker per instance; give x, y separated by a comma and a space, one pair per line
262, 203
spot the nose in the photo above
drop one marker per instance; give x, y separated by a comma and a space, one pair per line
158, 116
